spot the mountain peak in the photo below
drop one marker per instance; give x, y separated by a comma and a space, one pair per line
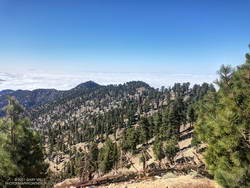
89, 84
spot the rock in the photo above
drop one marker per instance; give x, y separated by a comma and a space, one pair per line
157, 177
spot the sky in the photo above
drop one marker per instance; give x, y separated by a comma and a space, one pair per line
62, 43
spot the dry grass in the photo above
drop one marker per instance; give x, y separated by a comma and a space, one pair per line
195, 185
168, 181
67, 183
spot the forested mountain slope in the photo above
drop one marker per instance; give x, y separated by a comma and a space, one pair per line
130, 114
81, 126
38, 97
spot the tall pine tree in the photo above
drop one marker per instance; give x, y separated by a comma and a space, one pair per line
224, 125
21, 151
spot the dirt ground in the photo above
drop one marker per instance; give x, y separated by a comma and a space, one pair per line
168, 181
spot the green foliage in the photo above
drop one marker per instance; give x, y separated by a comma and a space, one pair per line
130, 140
94, 152
224, 125
144, 130
21, 152
195, 141
158, 150
109, 156
7, 167
171, 148
167, 148
191, 114
84, 164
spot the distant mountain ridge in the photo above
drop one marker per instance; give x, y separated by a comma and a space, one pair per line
30, 99
6, 92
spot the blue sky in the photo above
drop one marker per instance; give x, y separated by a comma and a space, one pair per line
114, 41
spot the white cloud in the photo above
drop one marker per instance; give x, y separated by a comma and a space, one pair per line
33, 79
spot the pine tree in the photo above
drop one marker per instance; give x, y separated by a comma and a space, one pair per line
7, 166
20, 146
144, 130
224, 125
94, 152
157, 123
191, 115
108, 156
130, 140
170, 149
158, 151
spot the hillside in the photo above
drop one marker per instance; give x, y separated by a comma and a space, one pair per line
132, 117
39, 97
92, 114
186, 172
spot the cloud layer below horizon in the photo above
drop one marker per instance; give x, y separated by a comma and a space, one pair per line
37, 80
